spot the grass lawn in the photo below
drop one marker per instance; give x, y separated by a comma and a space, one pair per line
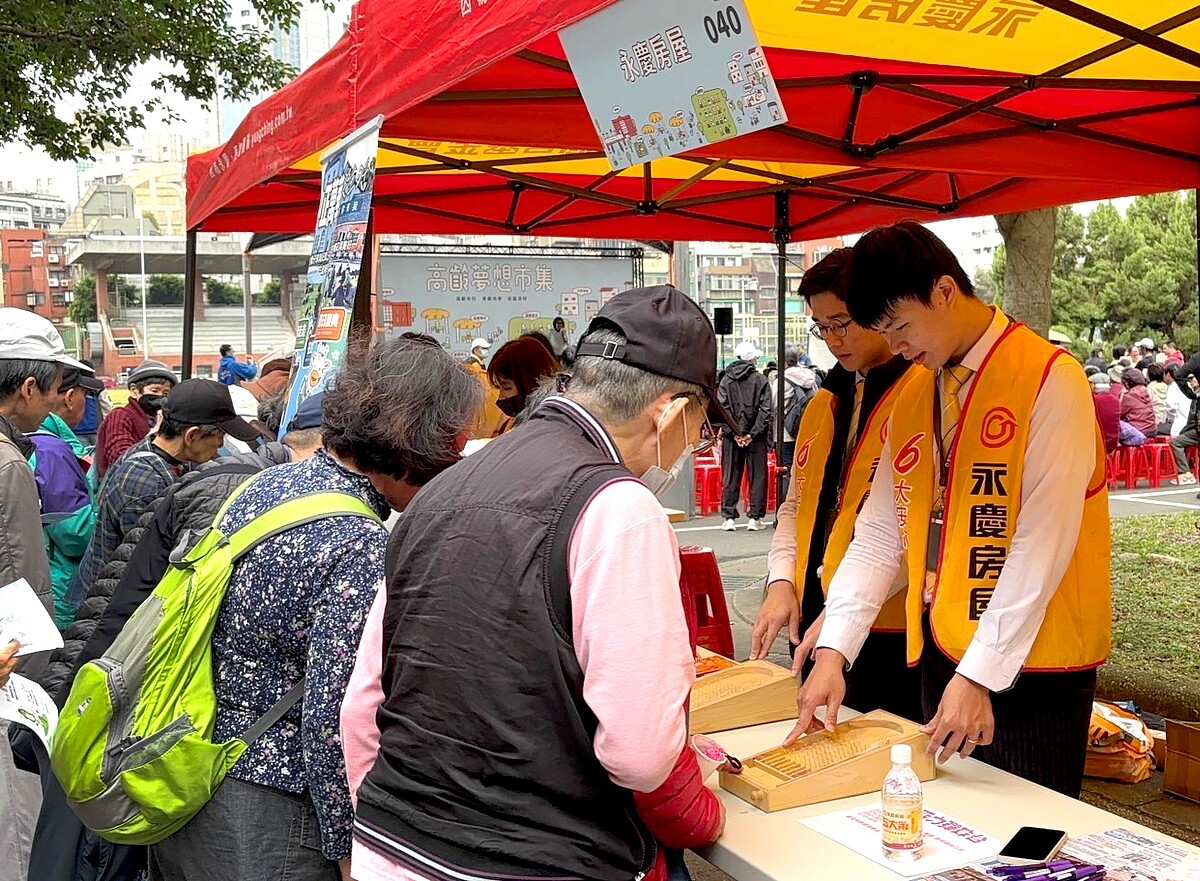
1156, 597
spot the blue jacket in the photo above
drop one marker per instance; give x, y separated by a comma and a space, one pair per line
231, 371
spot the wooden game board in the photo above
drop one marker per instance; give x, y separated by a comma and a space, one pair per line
851, 760
748, 693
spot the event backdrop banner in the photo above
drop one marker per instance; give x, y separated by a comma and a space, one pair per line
456, 295
323, 326
662, 78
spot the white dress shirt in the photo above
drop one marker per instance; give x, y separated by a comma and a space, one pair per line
1059, 459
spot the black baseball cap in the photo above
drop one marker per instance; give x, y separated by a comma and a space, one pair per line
665, 333
73, 377
205, 402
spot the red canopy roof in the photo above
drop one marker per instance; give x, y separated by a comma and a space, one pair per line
485, 130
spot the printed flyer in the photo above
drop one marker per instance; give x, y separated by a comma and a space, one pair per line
948, 843
24, 619
24, 702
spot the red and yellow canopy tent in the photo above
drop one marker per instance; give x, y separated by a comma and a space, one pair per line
923, 109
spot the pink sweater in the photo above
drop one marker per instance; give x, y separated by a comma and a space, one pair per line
630, 638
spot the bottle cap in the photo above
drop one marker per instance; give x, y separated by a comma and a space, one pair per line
901, 754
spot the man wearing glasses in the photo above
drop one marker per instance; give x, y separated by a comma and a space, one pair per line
838, 444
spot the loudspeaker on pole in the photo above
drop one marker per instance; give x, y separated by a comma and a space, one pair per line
723, 320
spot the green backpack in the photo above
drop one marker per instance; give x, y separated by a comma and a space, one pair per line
133, 749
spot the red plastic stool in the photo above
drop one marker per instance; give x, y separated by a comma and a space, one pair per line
1114, 469
701, 579
1193, 455
1137, 465
1162, 462
708, 487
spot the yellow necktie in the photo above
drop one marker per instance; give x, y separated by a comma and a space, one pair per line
952, 379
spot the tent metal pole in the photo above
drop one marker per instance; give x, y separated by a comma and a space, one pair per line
782, 234
1196, 193
189, 303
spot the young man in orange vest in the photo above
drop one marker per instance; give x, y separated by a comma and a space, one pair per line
839, 440
1003, 514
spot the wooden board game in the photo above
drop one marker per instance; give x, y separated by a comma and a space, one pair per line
747, 693
851, 760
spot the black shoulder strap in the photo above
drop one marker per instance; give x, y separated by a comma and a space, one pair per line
556, 573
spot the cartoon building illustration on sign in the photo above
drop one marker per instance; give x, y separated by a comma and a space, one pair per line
712, 110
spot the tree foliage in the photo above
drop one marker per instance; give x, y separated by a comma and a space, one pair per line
1118, 278
56, 54
164, 290
269, 296
83, 306
222, 293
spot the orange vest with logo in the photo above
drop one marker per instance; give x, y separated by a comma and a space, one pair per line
814, 442
982, 504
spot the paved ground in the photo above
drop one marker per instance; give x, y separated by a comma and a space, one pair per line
742, 558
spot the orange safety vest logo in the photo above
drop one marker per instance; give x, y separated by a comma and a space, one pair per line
999, 428
802, 455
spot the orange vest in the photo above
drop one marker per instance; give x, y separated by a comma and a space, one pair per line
982, 504
814, 442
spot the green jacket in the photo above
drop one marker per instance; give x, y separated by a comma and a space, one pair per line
68, 506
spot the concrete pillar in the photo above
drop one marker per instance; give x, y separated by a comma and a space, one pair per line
101, 291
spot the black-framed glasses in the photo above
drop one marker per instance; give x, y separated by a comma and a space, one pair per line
836, 328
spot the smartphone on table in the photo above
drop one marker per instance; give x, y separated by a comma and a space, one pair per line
1033, 844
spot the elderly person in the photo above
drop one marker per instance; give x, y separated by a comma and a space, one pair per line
1108, 411
32, 359
149, 384
561, 566
394, 417
1136, 406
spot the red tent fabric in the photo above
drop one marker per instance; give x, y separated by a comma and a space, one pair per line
485, 130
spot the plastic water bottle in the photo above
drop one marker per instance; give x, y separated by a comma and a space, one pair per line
903, 808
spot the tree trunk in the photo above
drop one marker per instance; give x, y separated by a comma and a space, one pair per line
1029, 259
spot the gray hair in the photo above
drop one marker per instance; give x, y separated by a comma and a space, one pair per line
270, 410
14, 372
397, 408
173, 428
302, 439
618, 392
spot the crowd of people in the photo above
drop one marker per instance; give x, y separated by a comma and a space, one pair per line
1143, 394
498, 685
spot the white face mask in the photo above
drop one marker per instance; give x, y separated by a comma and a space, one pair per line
657, 479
